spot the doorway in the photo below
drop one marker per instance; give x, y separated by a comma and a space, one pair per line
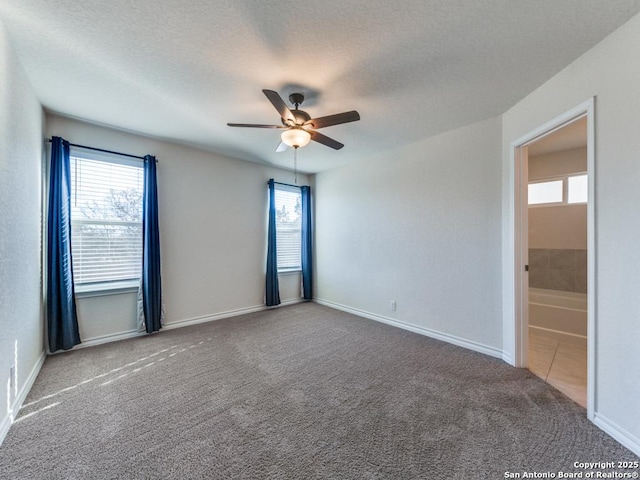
554, 283
557, 251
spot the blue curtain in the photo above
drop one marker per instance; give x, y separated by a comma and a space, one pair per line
151, 285
62, 319
272, 296
306, 252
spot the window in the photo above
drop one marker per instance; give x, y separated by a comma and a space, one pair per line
559, 191
545, 192
288, 227
578, 188
106, 221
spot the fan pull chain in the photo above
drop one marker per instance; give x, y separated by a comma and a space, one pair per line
295, 165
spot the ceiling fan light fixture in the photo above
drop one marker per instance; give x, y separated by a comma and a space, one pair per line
299, 127
296, 137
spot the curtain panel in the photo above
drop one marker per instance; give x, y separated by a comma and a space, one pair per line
272, 293
150, 312
62, 319
306, 250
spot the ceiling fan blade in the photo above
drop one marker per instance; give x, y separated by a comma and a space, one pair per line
336, 119
281, 107
281, 147
254, 125
323, 139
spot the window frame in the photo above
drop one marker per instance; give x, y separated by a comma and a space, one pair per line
298, 190
548, 180
112, 287
565, 190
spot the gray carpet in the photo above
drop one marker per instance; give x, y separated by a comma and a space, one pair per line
298, 392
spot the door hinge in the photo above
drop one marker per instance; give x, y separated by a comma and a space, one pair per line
526, 268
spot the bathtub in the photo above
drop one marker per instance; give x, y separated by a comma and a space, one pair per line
558, 314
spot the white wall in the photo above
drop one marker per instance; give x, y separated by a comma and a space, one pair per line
213, 218
21, 332
558, 163
610, 72
419, 225
561, 227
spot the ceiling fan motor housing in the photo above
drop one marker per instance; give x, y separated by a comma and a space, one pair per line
301, 116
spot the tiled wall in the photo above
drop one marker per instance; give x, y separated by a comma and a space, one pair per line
558, 269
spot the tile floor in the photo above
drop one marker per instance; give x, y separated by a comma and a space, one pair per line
562, 365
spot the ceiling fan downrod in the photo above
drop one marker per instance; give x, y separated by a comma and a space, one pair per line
296, 99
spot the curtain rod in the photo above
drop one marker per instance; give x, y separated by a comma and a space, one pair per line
103, 150
286, 184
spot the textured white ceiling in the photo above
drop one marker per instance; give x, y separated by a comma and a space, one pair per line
180, 70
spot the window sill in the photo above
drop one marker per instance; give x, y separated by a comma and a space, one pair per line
289, 271
107, 288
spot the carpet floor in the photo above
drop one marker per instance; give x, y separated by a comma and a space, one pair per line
300, 392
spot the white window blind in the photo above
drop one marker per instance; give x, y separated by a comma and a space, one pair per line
106, 220
288, 226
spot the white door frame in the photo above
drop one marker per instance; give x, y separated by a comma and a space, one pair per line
520, 283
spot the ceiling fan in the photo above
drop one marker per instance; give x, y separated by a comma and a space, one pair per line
299, 128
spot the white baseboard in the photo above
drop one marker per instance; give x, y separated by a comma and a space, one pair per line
506, 357
445, 337
210, 318
227, 314
7, 421
293, 301
112, 337
618, 433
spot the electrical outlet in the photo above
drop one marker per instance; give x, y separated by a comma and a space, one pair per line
392, 305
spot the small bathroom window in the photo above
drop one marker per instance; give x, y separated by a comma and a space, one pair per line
545, 192
578, 188
570, 189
